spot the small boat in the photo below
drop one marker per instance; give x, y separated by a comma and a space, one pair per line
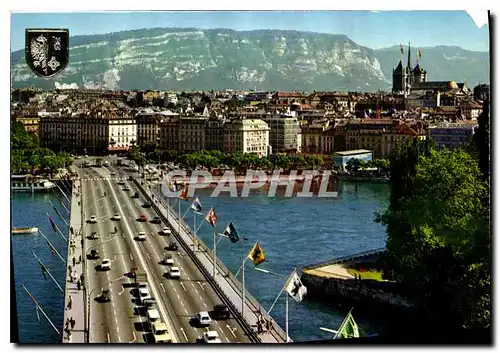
24, 230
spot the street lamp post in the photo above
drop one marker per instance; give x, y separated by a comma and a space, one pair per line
282, 289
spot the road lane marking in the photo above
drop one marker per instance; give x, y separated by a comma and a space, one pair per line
226, 339
131, 257
133, 332
149, 257
175, 290
231, 330
184, 309
182, 303
178, 297
201, 285
161, 284
108, 338
184, 333
182, 284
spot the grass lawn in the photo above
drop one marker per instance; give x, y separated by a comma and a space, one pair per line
369, 274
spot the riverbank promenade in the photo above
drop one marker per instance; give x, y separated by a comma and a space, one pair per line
74, 299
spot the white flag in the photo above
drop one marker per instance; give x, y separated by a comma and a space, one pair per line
295, 288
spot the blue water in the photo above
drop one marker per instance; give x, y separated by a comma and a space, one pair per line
29, 210
294, 232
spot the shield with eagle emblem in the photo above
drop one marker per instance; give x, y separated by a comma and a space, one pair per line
47, 50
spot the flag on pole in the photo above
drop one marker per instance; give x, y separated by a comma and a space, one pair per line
53, 224
196, 205
257, 254
44, 271
401, 49
419, 54
184, 194
51, 248
231, 233
348, 328
295, 288
211, 218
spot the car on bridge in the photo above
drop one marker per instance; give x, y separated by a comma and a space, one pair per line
135, 195
173, 272
143, 218
220, 312
160, 333
172, 246
93, 219
105, 264
112, 173
144, 294
120, 182
93, 236
141, 236
203, 318
146, 205
126, 188
156, 220
165, 231
93, 255
168, 260
116, 217
211, 337
104, 297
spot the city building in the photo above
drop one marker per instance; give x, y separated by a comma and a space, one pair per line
30, 123
403, 76
470, 110
340, 159
122, 133
452, 135
214, 133
284, 132
192, 133
169, 133
148, 127
246, 136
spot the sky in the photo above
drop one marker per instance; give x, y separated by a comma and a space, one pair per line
368, 28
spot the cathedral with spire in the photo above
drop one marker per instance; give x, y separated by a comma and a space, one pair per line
403, 77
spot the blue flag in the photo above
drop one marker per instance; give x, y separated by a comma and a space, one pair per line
231, 233
196, 205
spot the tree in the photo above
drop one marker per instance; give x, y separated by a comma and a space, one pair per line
438, 233
481, 140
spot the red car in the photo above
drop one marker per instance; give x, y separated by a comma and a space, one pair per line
143, 218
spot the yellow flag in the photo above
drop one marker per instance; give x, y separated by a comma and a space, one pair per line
401, 48
419, 54
257, 254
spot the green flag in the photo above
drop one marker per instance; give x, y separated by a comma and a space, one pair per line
349, 328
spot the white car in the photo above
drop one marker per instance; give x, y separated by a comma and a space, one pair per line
169, 261
141, 236
203, 318
106, 264
93, 219
174, 272
116, 217
211, 337
166, 231
144, 294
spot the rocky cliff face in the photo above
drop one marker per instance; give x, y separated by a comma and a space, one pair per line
166, 58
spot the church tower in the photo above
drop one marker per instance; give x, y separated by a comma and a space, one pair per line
399, 78
419, 74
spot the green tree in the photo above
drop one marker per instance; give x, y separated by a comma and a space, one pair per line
438, 233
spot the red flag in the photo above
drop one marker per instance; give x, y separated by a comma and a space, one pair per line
184, 194
211, 218
53, 224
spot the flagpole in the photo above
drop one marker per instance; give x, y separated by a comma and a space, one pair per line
60, 216
194, 234
215, 250
52, 246
286, 318
47, 270
179, 224
243, 287
40, 308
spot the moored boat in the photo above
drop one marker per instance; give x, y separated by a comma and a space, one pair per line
23, 183
24, 230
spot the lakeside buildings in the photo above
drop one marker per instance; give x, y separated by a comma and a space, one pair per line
319, 123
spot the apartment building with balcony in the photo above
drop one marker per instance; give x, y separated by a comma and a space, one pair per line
192, 133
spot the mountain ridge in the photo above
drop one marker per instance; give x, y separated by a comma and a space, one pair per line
193, 58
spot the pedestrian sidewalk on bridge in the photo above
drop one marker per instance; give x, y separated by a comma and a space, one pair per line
74, 299
251, 313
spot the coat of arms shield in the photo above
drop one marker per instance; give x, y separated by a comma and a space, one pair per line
47, 50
